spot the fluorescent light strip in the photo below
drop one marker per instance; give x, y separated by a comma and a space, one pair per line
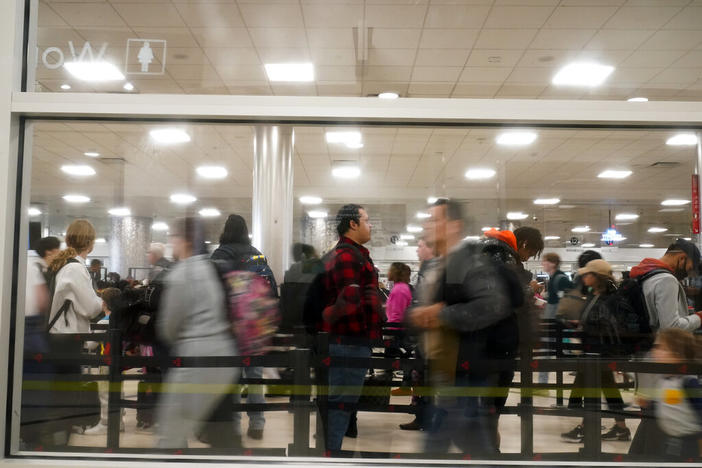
212, 172
480, 173
291, 72
547, 201
682, 139
614, 174
209, 212
310, 200
182, 199
168, 136
516, 138
584, 74
317, 214
78, 170
94, 71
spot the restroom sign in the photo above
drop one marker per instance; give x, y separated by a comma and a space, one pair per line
146, 57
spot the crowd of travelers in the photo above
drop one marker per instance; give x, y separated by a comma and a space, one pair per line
473, 312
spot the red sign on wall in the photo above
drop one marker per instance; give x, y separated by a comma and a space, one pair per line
695, 204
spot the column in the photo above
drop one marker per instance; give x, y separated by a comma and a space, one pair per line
272, 211
129, 240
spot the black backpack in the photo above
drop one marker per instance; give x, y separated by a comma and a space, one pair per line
619, 324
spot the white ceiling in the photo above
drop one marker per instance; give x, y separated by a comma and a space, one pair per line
418, 48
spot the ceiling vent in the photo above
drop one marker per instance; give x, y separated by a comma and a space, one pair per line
665, 164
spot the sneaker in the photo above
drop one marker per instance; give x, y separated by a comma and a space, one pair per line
255, 433
617, 433
576, 435
98, 429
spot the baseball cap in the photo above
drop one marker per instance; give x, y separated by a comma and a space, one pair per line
691, 250
598, 266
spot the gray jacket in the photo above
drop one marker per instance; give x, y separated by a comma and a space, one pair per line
667, 303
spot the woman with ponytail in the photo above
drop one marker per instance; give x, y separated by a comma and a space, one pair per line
73, 293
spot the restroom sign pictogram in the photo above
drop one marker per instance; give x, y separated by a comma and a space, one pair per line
146, 57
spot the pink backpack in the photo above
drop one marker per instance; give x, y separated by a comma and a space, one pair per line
253, 311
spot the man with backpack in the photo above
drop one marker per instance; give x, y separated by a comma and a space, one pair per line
350, 315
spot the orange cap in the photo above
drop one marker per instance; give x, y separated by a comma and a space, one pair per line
507, 237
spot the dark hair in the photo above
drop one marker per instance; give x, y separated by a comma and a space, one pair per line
531, 236
235, 231
45, 244
111, 296
193, 231
588, 256
399, 272
346, 214
95, 261
553, 258
454, 210
303, 251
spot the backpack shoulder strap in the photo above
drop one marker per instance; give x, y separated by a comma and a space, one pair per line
653, 273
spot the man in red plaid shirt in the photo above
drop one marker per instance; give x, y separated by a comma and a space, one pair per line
351, 316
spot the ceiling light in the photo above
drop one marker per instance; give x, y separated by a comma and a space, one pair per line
317, 214
159, 226
547, 201
290, 71
122, 211
682, 139
65, 87
613, 174
310, 200
34, 212
471, 238
388, 95
552, 238
351, 139
94, 71
76, 198
128, 86
414, 228
566, 207
78, 170
673, 234
671, 210
423, 215
638, 99
212, 172
479, 174
645, 246
355, 145
687, 238
588, 245
168, 136
657, 229
674, 202
100, 240
488, 228
514, 215
581, 229
209, 212
92, 154
407, 236
182, 198
626, 216
582, 74
401, 244
346, 171
516, 138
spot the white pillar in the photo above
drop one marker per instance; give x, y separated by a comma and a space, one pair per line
130, 238
272, 214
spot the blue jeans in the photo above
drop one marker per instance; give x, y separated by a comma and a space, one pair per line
255, 396
345, 386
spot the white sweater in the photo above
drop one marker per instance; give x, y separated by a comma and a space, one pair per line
73, 282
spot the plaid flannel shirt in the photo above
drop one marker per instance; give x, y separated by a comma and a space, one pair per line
357, 309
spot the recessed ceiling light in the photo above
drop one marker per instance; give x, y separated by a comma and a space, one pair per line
212, 172
159, 226
414, 228
351, 139
94, 70
471, 238
407, 236
128, 86
432, 200
480, 173
182, 198
638, 99
626, 216
310, 200
209, 212
687, 238
388, 95
317, 214
422, 215
78, 170
588, 245
581, 229
515, 215
613, 174
516, 138
65, 86
167, 136
290, 71
92, 154
566, 207
121, 211
657, 229
582, 74
401, 243
552, 238
100, 240
76, 198
645, 246
671, 210
682, 139
346, 171
547, 201
34, 211
674, 202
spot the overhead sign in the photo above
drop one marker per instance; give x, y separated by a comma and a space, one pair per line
145, 52
610, 236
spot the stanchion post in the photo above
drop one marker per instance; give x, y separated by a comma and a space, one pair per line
593, 406
114, 409
300, 399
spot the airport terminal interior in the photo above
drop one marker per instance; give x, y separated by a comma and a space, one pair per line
162, 197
